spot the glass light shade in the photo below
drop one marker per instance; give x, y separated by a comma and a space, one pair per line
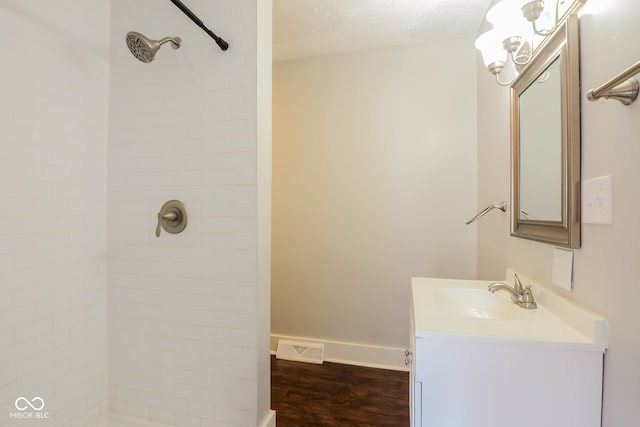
516, 26
547, 18
507, 19
490, 45
505, 11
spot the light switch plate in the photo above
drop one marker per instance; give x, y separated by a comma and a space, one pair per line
597, 200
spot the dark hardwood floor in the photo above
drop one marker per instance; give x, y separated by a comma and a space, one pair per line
332, 394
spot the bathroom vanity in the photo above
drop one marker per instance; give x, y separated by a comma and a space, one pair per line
480, 360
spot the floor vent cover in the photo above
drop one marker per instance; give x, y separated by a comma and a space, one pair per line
300, 351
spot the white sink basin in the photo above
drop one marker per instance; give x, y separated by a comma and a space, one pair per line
465, 308
479, 303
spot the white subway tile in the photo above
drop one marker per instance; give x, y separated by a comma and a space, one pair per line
229, 415
175, 404
183, 295
6, 223
16, 316
138, 411
7, 339
33, 364
183, 420
188, 392
200, 409
162, 416
33, 330
117, 405
153, 400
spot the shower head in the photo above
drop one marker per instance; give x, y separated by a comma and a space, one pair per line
145, 49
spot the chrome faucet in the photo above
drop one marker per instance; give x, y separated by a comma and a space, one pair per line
519, 295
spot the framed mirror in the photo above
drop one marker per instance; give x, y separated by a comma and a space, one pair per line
545, 142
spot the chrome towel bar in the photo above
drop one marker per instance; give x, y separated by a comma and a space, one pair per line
502, 206
622, 87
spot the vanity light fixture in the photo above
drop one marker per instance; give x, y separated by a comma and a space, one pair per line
513, 29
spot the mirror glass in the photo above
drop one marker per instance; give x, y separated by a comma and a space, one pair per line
541, 148
545, 142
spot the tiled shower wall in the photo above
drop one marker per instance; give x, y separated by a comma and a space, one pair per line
182, 308
54, 68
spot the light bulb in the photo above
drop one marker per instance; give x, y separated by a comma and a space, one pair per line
490, 45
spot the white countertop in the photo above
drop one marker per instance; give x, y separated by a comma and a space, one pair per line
568, 326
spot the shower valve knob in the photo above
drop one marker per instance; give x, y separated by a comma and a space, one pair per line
172, 217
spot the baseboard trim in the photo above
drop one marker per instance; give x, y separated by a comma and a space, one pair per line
371, 356
269, 420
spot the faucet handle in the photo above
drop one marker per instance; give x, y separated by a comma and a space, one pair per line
517, 286
527, 300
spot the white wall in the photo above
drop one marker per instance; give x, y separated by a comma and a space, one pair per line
605, 276
183, 326
54, 71
374, 178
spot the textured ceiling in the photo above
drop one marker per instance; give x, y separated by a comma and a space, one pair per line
304, 28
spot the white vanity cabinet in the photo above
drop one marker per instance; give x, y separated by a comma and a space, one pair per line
483, 367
